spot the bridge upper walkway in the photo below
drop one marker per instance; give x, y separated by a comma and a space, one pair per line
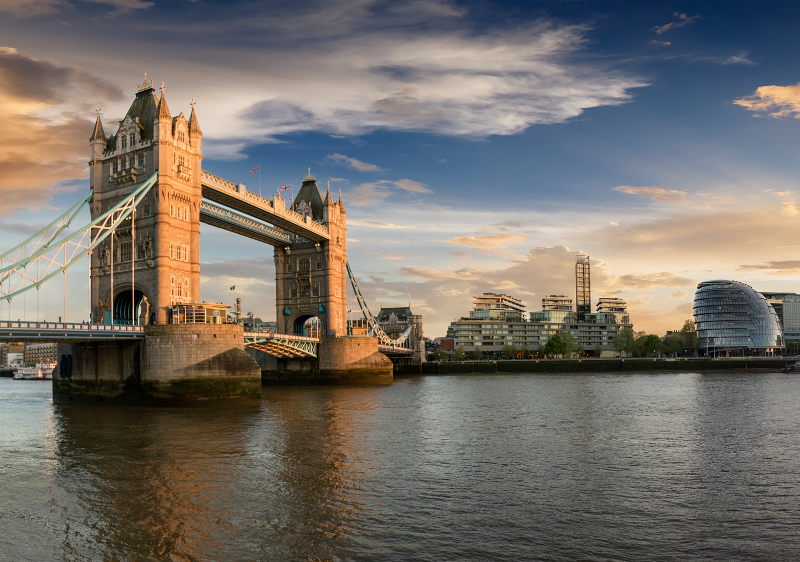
273, 212
59, 331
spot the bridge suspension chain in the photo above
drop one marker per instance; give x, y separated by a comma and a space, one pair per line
47, 257
373, 327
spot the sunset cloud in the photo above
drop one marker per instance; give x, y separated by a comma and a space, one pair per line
672, 196
785, 267
354, 163
774, 101
489, 241
650, 280
683, 19
372, 193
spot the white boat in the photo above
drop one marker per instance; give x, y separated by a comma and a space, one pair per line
42, 371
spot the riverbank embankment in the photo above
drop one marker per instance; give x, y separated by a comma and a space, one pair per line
771, 364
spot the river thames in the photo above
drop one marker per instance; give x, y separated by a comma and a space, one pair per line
482, 467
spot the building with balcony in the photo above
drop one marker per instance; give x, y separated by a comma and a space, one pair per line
491, 306
734, 319
583, 285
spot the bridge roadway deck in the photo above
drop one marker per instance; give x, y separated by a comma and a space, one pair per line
60, 331
273, 212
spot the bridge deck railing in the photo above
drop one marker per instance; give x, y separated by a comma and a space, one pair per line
69, 326
273, 335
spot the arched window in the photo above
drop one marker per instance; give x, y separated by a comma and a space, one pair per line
124, 142
304, 265
133, 140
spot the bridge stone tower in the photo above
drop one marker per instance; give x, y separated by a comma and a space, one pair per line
161, 252
311, 278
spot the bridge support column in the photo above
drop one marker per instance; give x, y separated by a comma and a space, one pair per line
342, 361
192, 364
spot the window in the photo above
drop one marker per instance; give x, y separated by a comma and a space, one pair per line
125, 248
319, 265
124, 142
115, 167
304, 264
133, 140
186, 288
288, 267
147, 208
140, 253
294, 291
171, 210
172, 256
122, 164
141, 160
186, 213
315, 291
304, 290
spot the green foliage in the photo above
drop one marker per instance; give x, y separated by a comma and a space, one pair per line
624, 341
573, 347
647, 345
525, 352
556, 345
478, 353
689, 334
440, 354
673, 343
458, 354
508, 350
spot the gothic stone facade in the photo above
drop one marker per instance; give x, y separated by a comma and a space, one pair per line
165, 251
311, 278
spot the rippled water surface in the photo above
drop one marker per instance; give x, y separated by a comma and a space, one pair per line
485, 467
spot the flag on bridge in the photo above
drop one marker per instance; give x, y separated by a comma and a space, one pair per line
232, 288
254, 170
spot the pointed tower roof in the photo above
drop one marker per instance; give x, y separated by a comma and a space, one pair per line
98, 133
328, 198
194, 126
341, 202
309, 192
162, 111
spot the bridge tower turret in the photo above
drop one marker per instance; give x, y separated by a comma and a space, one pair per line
311, 278
163, 248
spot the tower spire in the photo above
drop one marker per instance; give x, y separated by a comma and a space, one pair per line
162, 111
194, 125
98, 133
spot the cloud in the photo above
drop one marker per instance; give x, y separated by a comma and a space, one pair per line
651, 280
739, 59
354, 163
684, 20
375, 224
678, 295
785, 267
30, 8
371, 193
775, 101
672, 196
489, 241
661, 43
790, 208
44, 132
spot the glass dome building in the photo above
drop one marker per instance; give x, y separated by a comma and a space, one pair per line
733, 317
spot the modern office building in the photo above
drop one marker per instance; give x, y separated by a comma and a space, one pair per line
556, 302
787, 307
583, 285
38, 353
734, 319
491, 306
612, 304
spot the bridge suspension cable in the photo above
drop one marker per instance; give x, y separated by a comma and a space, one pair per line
42, 256
373, 327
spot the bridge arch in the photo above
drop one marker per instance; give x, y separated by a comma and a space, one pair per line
124, 311
307, 324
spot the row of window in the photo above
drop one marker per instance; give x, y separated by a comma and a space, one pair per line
124, 141
303, 264
178, 252
179, 292
124, 163
179, 211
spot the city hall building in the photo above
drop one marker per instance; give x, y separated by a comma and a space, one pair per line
734, 319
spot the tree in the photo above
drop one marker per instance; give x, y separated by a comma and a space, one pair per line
508, 350
689, 334
623, 340
673, 343
556, 345
458, 354
440, 354
478, 353
525, 352
573, 346
645, 344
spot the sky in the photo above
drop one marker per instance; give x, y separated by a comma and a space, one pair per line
478, 146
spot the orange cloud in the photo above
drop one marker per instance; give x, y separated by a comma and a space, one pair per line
775, 101
489, 241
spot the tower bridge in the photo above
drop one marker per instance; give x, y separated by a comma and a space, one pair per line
148, 197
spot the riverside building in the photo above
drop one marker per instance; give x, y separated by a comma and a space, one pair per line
787, 307
498, 321
583, 285
734, 319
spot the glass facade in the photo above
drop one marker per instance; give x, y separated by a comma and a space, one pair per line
732, 315
583, 285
